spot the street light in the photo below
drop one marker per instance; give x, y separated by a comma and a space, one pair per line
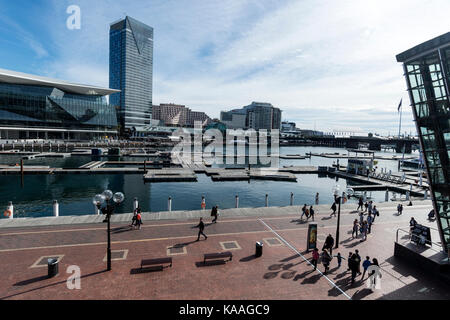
336, 191
108, 210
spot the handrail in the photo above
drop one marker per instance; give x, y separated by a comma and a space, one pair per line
409, 233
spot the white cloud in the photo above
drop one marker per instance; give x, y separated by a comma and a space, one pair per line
337, 57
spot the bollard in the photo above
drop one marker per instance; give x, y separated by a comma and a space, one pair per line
386, 196
407, 195
267, 200
55, 208
169, 204
237, 201
135, 204
292, 199
9, 210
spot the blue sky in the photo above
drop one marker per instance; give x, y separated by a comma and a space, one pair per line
328, 65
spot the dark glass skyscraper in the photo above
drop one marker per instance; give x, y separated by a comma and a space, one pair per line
427, 72
131, 71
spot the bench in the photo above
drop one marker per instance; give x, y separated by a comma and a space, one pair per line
218, 255
158, 262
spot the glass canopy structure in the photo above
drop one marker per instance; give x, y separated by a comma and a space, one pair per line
427, 72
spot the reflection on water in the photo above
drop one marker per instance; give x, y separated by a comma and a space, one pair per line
75, 191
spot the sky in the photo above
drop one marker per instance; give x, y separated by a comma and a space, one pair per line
327, 64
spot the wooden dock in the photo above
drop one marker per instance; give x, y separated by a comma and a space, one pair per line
170, 175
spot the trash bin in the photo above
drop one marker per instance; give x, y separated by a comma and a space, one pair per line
258, 249
52, 267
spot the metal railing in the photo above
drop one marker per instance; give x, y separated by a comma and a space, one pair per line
409, 232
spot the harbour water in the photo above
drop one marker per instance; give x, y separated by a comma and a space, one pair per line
75, 191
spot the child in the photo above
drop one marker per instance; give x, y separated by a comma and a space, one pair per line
339, 259
315, 257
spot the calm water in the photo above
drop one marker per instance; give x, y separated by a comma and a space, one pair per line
75, 191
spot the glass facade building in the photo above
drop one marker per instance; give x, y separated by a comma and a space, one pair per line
131, 71
427, 72
36, 107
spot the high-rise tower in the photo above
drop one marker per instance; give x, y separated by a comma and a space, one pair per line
131, 71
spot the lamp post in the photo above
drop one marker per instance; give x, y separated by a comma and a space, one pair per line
108, 210
337, 198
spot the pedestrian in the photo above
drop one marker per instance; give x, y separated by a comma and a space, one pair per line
303, 212
307, 214
360, 203
311, 213
358, 262
366, 264
369, 207
364, 230
361, 218
333, 207
315, 257
339, 259
214, 213
201, 227
133, 220
353, 267
355, 229
376, 213
139, 220
373, 279
366, 205
369, 223
317, 198
412, 224
349, 261
326, 259
329, 242
400, 209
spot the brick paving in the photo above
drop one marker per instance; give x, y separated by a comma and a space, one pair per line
279, 274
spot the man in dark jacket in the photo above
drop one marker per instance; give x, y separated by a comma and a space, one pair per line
214, 213
201, 227
329, 242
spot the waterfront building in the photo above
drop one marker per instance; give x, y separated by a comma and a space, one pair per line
234, 119
427, 72
288, 126
178, 115
258, 115
36, 107
131, 71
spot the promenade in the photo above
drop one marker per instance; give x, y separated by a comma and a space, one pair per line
281, 273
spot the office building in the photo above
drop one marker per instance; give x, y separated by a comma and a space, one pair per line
131, 71
178, 115
258, 115
427, 72
35, 107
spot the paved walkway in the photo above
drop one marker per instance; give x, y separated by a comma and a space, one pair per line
282, 272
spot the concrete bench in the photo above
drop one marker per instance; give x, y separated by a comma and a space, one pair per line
218, 255
156, 262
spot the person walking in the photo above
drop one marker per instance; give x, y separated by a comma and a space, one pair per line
355, 229
201, 227
317, 198
361, 218
358, 262
329, 242
373, 279
412, 224
333, 207
315, 257
311, 213
139, 220
303, 212
376, 213
360, 203
364, 230
353, 267
349, 261
326, 259
400, 209
366, 264
369, 223
366, 205
214, 214
369, 207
